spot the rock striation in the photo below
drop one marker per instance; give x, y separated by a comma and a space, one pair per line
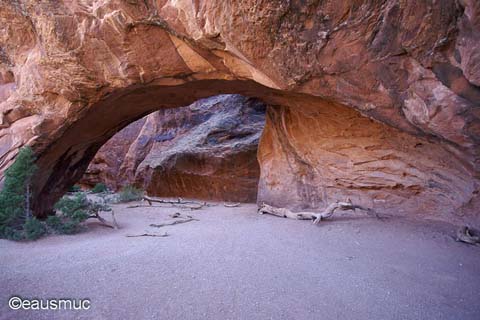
207, 150
386, 74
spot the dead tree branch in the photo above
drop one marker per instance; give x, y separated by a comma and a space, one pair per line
285, 213
316, 217
172, 223
147, 235
180, 203
144, 206
330, 210
103, 222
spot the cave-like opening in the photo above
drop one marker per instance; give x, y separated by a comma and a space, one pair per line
206, 150
66, 154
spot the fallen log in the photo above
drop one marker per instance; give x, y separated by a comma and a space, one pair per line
192, 205
329, 211
285, 213
178, 201
316, 217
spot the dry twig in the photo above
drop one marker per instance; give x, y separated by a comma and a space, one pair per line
172, 223
147, 235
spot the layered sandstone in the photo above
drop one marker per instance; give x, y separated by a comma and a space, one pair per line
73, 73
207, 150
333, 154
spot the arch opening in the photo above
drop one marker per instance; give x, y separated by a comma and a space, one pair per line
312, 152
207, 150
64, 156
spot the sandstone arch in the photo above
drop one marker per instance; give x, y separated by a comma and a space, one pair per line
74, 72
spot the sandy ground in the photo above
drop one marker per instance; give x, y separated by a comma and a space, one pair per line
236, 264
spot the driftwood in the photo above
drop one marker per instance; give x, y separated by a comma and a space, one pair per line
316, 217
160, 225
231, 205
184, 207
285, 213
468, 235
147, 235
180, 203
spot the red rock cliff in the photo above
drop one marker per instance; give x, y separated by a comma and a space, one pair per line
386, 74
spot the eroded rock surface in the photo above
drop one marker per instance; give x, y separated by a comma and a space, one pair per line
207, 150
315, 156
73, 73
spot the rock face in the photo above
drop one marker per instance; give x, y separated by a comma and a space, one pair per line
105, 167
207, 150
73, 73
315, 156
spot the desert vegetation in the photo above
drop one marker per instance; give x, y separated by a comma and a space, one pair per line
16, 219
99, 188
130, 193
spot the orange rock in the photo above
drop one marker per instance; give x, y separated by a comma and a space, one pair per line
84, 70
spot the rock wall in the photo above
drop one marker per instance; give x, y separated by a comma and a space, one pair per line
314, 156
73, 73
207, 150
105, 166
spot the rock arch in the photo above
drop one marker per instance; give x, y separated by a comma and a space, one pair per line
368, 99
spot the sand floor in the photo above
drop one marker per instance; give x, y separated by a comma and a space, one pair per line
236, 264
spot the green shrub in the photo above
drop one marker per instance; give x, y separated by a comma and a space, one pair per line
72, 211
75, 188
99, 188
63, 227
54, 222
11, 233
73, 207
34, 229
130, 193
15, 196
16, 219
